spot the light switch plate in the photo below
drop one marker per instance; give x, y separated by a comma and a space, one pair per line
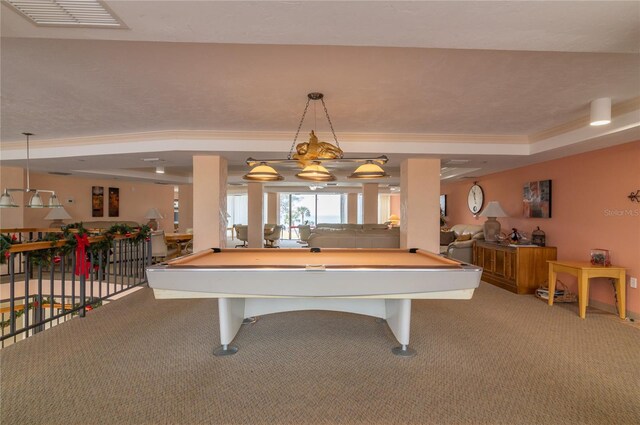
633, 282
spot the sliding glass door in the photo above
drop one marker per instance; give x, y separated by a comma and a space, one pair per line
311, 209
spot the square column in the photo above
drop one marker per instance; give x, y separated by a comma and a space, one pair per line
185, 207
369, 203
272, 207
255, 195
352, 208
420, 204
209, 202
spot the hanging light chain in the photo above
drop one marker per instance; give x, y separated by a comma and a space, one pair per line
295, 139
330, 124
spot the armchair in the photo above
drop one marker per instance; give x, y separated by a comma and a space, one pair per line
305, 233
272, 238
242, 233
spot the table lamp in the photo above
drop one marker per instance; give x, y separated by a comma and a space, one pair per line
394, 220
492, 226
152, 215
57, 215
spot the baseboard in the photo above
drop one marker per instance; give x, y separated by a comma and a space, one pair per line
612, 309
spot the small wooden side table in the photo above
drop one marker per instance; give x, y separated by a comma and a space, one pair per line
584, 271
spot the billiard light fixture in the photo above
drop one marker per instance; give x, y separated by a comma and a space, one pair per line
6, 200
312, 155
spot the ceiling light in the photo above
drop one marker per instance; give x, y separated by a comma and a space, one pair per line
312, 155
368, 170
6, 200
159, 170
263, 173
316, 172
601, 111
67, 13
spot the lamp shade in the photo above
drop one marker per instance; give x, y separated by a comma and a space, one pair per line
601, 111
492, 226
6, 200
493, 209
153, 213
316, 172
35, 201
57, 214
263, 173
368, 170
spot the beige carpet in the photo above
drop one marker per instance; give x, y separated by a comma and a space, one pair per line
497, 359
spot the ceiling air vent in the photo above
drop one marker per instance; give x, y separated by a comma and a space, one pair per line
67, 13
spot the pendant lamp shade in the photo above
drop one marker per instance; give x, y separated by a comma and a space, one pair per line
263, 173
316, 172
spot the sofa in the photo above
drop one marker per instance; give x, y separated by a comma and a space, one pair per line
348, 226
355, 238
465, 235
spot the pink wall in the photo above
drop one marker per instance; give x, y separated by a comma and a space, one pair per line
590, 209
135, 200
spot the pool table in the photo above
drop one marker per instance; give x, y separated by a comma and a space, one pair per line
374, 282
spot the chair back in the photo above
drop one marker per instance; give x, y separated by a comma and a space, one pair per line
158, 244
305, 232
275, 235
242, 232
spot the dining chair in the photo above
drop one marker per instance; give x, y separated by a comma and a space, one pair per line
160, 251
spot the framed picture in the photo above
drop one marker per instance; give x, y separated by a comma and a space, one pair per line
114, 202
97, 201
443, 205
536, 200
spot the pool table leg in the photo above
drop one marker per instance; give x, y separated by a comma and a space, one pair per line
398, 312
231, 315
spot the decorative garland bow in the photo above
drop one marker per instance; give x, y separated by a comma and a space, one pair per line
82, 265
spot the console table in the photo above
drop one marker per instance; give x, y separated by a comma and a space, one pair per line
520, 269
584, 271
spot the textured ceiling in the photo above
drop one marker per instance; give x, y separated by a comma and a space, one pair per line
483, 69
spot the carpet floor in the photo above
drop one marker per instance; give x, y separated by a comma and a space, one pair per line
499, 358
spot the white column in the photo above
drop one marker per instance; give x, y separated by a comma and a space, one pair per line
370, 203
209, 202
420, 204
256, 220
185, 207
352, 208
272, 207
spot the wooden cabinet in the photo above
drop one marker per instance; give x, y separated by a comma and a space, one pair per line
519, 269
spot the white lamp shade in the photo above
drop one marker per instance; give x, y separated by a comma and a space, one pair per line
57, 214
6, 200
35, 201
153, 213
493, 209
368, 170
264, 173
601, 111
315, 172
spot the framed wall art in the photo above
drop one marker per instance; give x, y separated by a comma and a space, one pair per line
114, 202
97, 201
537, 199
